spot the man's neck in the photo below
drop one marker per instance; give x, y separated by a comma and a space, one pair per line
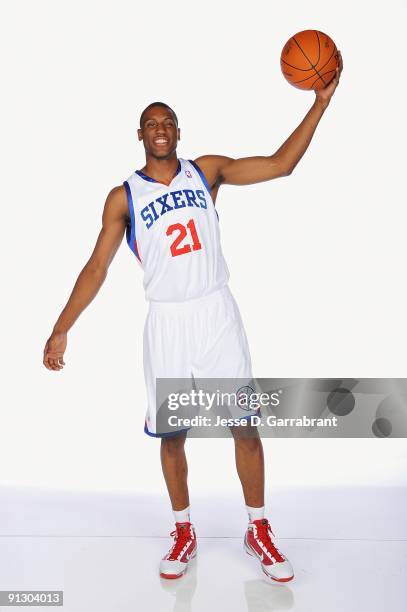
162, 170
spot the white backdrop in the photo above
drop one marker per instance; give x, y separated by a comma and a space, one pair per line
317, 259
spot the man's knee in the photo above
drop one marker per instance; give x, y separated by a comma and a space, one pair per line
248, 444
173, 444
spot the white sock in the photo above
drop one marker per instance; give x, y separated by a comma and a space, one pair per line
182, 516
255, 513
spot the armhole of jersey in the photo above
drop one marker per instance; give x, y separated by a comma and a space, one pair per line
131, 229
201, 174
205, 182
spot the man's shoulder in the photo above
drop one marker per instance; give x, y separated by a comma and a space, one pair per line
117, 192
212, 161
211, 166
116, 200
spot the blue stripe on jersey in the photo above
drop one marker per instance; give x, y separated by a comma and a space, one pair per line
201, 174
205, 182
145, 177
148, 178
131, 229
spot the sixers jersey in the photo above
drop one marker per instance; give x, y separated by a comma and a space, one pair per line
174, 233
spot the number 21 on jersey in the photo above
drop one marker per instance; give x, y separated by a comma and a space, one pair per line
184, 231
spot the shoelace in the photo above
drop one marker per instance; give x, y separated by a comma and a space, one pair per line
181, 534
264, 530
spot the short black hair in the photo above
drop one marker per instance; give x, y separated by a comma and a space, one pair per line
163, 104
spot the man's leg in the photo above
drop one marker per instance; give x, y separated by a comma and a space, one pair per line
258, 540
250, 465
175, 470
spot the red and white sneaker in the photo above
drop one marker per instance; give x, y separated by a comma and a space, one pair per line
175, 562
258, 543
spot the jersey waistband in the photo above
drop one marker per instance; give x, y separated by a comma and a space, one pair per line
191, 304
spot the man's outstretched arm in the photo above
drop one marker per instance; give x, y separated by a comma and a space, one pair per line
219, 169
91, 277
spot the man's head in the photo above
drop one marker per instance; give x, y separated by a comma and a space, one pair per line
159, 130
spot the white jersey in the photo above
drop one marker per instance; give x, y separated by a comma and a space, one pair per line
174, 233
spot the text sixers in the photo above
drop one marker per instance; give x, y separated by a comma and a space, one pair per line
172, 201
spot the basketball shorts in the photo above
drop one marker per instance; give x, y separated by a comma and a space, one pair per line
203, 338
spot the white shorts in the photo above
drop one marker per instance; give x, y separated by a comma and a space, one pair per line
200, 338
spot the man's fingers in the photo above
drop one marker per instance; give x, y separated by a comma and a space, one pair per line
53, 362
45, 362
53, 359
58, 366
340, 62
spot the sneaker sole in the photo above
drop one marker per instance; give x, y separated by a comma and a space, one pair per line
175, 576
251, 554
172, 576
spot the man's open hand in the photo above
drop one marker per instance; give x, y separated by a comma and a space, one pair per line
325, 94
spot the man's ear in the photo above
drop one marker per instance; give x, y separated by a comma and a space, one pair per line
140, 134
179, 133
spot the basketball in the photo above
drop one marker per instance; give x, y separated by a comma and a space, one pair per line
309, 60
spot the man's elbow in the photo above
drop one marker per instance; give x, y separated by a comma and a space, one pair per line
286, 171
282, 167
97, 269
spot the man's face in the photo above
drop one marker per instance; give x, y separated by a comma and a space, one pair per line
159, 132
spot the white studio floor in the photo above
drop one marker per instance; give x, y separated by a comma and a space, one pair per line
348, 548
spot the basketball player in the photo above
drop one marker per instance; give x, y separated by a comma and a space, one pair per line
193, 327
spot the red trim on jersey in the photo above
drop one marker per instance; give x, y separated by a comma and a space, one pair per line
136, 251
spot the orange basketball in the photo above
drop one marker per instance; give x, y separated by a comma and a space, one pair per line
309, 59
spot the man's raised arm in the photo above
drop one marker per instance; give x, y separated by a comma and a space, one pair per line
91, 277
219, 169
